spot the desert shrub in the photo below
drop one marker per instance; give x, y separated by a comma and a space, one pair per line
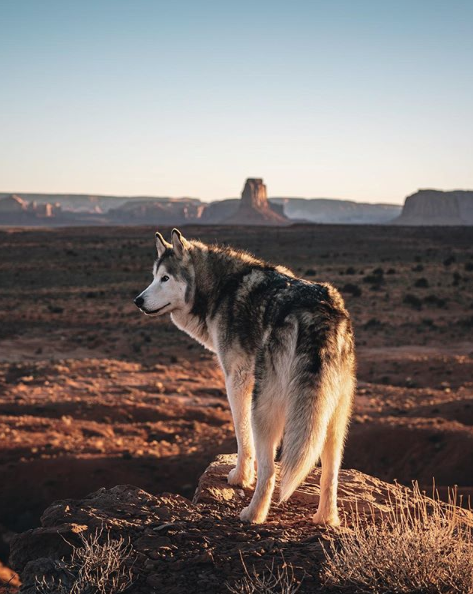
456, 279
449, 261
420, 546
352, 289
280, 580
428, 322
418, 268
98, 566
435, 300
310, 272
412, 300
469, 266
350, 270
467, 322
391, 271
378, 271
372, 323
422, 283
374, 279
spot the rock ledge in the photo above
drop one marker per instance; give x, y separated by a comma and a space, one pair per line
195, 547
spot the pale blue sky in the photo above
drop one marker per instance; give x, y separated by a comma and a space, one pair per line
366, 100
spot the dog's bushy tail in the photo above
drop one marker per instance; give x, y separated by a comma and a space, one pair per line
311, 408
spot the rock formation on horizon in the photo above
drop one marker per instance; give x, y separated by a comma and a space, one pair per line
16, 210
435, 207
255, 208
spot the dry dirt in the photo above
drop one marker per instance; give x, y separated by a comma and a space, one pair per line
93, 394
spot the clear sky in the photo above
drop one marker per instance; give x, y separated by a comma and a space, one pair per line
356, 99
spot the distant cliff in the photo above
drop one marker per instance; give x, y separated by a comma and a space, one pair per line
434, 207
172, 211
425, 207
331, 211
15, 210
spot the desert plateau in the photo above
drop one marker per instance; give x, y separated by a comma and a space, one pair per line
93, 394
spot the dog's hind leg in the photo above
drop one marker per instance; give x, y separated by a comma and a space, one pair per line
331, 459
239, 384
268, 425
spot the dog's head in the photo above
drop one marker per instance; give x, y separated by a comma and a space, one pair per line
172, 277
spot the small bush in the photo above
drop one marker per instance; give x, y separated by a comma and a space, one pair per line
310, 272
428, 322
421, 283
94, 568
418, 268
374, 279
456, 279
449, 261
469, 266
279, 580
413, 301
350, 270
372, 323
352, 289
421, 546
434, 300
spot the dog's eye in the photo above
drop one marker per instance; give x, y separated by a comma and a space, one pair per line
165, 278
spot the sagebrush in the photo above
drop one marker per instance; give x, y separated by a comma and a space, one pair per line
100, 565
421, 546
275, 580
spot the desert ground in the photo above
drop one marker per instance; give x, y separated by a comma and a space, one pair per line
93, 393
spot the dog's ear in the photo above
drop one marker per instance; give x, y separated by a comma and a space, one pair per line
161, 244
179, 243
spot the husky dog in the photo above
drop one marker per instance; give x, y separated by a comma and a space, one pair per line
286, 348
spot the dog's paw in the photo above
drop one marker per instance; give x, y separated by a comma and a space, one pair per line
248, 516
238, 478
331, 519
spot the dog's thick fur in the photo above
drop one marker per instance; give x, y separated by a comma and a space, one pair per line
287, 351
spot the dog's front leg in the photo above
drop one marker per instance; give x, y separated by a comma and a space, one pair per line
239, 389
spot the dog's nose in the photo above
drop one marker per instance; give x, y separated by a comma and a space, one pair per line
139, 301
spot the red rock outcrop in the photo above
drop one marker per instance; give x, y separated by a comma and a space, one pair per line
254, 207
194, 547
434, 207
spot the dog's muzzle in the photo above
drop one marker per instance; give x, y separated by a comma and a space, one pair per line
139, 302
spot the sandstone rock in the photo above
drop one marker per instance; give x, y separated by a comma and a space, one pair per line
254, 194
50, 542
13, 204
254, 207
434, 207
195, 547
219, 211
367, 493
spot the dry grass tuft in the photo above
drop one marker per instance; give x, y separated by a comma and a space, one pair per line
280, 580
98, 566
421, 546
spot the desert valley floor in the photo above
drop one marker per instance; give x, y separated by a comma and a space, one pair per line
93, 393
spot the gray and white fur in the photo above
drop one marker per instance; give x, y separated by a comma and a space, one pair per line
286, 348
